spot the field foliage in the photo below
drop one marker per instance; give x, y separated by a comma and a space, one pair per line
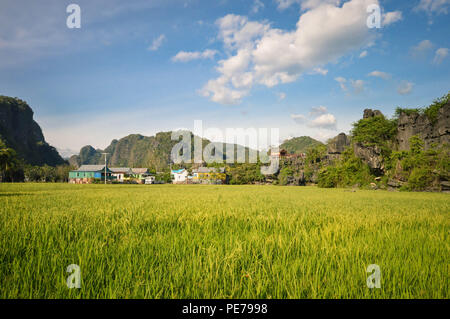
188, 241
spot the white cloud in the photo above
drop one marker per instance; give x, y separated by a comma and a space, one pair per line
156, 44
319, 71
440, 55
421, 49
433, 6
305, 4
326, 121
281, 96
392, 17
342, 82
237, 32
260, 54
379, 74
319, 118
318, 110
257, 5
405, 88
363, 54
184, 56
358, 86
299, 118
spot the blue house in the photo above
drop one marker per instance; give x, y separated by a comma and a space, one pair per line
87, 174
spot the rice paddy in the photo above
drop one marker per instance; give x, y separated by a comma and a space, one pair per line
192, 241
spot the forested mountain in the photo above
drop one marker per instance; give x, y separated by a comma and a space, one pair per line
20, 132
300, 144
141, 151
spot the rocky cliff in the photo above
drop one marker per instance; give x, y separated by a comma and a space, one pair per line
431, 131
411, 150
20, 132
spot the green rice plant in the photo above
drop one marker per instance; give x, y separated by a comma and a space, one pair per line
209, 241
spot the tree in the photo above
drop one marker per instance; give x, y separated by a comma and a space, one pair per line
7, 160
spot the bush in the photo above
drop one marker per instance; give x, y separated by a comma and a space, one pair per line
374, 131
348, 171
420, 179
431, 111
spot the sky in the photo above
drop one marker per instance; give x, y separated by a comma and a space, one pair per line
307, 67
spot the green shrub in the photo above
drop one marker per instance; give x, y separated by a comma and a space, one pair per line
348, 171
420, 179
433, 109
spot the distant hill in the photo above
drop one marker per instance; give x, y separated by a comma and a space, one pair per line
20, 132
298, 145
138, 151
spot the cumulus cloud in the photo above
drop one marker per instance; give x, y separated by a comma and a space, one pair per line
357, 85
305, 4
318, 110
319, 71
156, 44
379, 74
440, 55
342, 82
405, 88
421, 49
299, 118
262, 55
184, 56
433, 6
257, 5
392, 17
363, 54
318, 118
326, 121
281, 96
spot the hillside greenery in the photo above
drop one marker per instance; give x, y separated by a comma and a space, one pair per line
299, 145
430, 111
417, 169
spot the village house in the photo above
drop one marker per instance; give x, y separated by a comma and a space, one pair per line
87, 174
121, 173
140, 174
209, 175
151, 179
179, 176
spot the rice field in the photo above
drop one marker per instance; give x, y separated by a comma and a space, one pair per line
192, 241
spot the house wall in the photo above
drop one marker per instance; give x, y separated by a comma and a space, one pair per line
180, 178
76, 177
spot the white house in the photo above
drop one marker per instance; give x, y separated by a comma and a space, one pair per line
150, 180
179, 176
120, 173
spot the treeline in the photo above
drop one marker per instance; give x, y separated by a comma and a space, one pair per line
14, 169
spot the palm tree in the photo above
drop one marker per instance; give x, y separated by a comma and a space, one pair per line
7, 159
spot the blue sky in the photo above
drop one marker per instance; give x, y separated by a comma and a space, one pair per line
307, 67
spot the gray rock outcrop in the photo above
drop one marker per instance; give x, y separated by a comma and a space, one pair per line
437, 132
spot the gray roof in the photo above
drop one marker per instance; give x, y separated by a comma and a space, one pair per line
209, 170
126, 170
91, 168
139, 170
